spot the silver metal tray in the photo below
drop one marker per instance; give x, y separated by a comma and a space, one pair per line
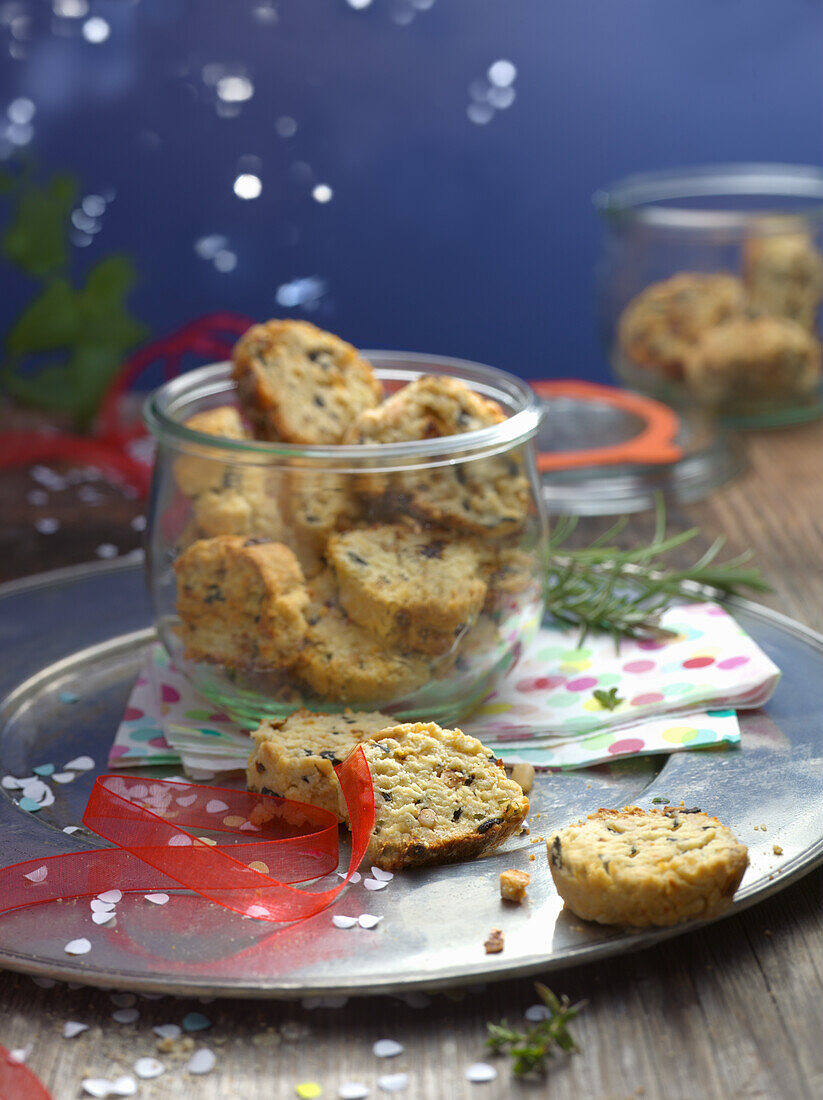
83, 631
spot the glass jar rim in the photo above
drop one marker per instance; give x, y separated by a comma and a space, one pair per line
632, 199
209, 380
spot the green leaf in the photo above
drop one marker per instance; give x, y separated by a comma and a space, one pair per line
51, 321
51, 389
37, 239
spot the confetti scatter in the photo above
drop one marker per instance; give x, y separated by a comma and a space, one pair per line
72, 1028
393, 1082
70, 829
98, 906
215, 806
494, 93
110, 896
375, 884
37, 875
196, 1021
352, 1090
368, 920
308, 1090
381, 875
138, 523
146, 1068
248, 186
305, 292
106, 550
480, 1072
202, 1061
46, 526
167, 1031
103, 916
157, 899
354, 879
100, 1087
20, 1054
44, 770
322, 193
78, 947
339, 920
535, 1013
387, 1048
126, 1015
64, 777
80, 764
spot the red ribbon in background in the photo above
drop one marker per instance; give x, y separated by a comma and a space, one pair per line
17, 1082
263, 845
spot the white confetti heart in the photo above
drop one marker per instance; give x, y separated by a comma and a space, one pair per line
202, 1061
111, 896
104, 916
368, 920
12, 783
478, 1072
167, 1031
387, 1048
186, 800
35, 789
157, 899
375, 884
72, 1028
96, 1086
248, 827
393, 1082
126, 1015
20, 1054
535, 1013
148, 1068
98, 906
257, 911
123, 1086
79, 764
215, 806
341, 921
72, 829
64, 777
78, 947
179, 840
383, 876
355, 877
38, 875
352, 1090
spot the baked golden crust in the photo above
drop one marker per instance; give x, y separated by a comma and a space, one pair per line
196, 474
296, 756
240, 602
411, 588
749, 360
440, 797
660, 325
299, 384
646, 867
784, 275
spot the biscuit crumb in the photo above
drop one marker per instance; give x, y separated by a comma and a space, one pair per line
524, 775
532, 857
513, 884
778, 851
495, 943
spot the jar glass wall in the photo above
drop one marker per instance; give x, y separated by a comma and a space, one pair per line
404, 577
710, 284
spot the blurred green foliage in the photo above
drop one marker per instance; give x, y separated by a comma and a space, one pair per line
62, 351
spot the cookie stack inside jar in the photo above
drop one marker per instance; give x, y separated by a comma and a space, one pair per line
711, 287
383, 547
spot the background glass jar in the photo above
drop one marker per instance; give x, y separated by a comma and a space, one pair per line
710, 284
333, 621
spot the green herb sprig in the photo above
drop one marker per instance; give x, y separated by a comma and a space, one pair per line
608, 700
530, 1049
624, 592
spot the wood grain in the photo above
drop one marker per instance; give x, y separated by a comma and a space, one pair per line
730, 1011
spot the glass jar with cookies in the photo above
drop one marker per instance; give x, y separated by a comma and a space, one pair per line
711, 281
335, 530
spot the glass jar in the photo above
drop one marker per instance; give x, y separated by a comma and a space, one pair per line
710, 283
261, 630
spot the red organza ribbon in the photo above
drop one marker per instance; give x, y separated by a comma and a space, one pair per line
239, 849
17, 1082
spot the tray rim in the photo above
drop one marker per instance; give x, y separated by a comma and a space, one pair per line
485, 970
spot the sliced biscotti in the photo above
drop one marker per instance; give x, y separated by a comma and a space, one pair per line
345, 663
317, 505
431, 406
414, 589
646, 867
295, 758
241, 602
196, 474
440, 796
299, 384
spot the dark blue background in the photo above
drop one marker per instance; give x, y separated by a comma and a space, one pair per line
442, 235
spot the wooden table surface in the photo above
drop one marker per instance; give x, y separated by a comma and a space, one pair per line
732, 1010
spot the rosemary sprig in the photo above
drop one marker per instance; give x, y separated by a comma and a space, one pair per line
530, 1049
624, 592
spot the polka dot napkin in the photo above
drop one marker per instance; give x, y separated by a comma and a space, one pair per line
680, 693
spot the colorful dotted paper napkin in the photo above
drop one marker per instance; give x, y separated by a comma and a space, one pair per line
674, 695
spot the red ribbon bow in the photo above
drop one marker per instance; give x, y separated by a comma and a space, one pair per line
263, 845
